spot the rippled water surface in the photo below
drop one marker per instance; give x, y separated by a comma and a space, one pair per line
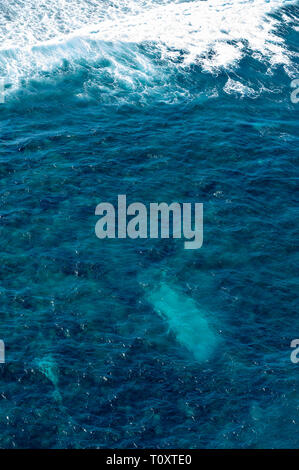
141, 343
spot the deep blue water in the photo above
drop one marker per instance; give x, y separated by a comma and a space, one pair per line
90, 361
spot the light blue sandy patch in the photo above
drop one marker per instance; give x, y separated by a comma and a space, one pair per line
186, 321
49, 368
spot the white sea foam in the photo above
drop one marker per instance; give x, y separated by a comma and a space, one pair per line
214, 33
235, 87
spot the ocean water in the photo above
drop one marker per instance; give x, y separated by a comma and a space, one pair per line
140, 343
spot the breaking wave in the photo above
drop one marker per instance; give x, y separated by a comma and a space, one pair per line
137, 42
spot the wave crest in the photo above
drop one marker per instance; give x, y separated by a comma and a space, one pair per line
215, 35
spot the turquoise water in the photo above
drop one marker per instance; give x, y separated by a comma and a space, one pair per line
141, 343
